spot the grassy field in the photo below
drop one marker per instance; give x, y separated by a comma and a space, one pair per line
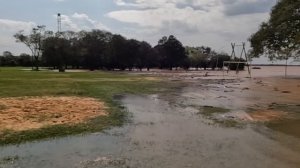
15, 82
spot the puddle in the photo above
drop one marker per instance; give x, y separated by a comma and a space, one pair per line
179, 138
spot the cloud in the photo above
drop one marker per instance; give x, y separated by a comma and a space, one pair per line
160, 16
80, 21
7, 29
68, 23
201, 4
240, 7
13, 25
216, 23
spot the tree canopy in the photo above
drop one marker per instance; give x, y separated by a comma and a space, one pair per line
171, 52
279, 37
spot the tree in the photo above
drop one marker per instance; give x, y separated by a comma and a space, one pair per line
56, 52
279, 38
118, 52
218, 60
171, 51
34, 42
24, 60
94, 45
8, 59
146, 57
199, 56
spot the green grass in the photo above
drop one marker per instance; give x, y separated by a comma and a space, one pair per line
9, 159
15, 82
210, 112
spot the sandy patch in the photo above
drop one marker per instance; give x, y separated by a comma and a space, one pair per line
25, 113
266, 115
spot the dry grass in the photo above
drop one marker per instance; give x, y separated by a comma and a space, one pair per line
25, 113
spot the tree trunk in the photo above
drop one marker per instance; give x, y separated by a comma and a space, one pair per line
36, 63
32, 63
286, 66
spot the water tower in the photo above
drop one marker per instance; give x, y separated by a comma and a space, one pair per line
58, 22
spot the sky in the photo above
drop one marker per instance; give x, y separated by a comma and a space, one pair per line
214, 23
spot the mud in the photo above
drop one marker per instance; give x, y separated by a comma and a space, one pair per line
24, 113
267, 115
169, 130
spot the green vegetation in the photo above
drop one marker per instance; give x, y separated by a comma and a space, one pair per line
291, 108
230, 123
279, 38
9, 159
101, 85
205, 57
99, 49
210, 110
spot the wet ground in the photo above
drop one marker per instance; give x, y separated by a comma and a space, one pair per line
201, 122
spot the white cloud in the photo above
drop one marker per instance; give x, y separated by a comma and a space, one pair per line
13, 25
68, 23
83, 17
80, 21
7, 30
165, 3
196, 22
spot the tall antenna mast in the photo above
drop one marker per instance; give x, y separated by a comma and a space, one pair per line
58, 23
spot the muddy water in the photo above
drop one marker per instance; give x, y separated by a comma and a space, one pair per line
167, 131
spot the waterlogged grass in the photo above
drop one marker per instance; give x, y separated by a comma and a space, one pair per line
290, 108
291, 123
10, 159
15, 82
210, 112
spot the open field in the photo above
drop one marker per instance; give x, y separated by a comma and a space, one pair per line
28, 114
176, 119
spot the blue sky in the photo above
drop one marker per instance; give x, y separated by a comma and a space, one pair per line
214, 23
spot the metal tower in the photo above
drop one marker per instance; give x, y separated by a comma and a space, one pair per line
58, 22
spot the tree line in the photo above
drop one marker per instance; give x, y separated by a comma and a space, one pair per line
278, 38
8, 59
99, 49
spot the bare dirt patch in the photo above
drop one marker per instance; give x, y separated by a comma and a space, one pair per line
24, 113
266, 115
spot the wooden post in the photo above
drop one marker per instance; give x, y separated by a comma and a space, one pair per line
286, 66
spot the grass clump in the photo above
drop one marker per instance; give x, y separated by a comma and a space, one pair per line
9, 159
210, 110
230, 123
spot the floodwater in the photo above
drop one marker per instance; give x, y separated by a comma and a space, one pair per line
168, 130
